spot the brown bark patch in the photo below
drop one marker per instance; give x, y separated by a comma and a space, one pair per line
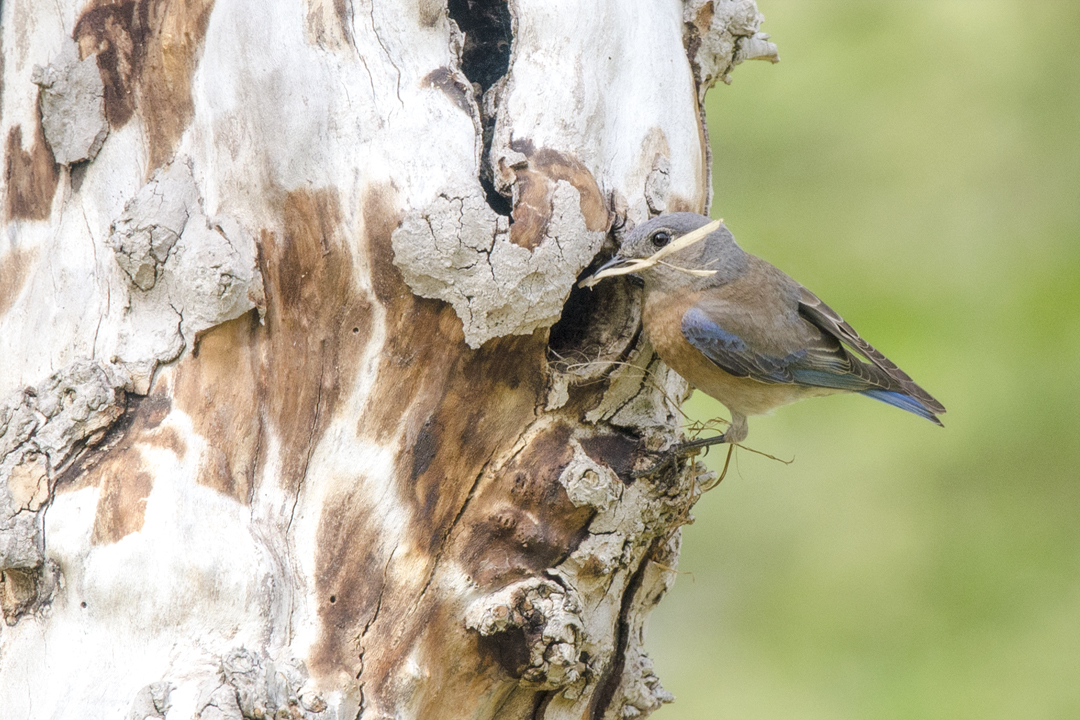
170, 62
341, 10
168, 439
140, 423
216, 385
153, 410
317, 324
616, 451
350, 577
120, 471
14, 272
535, 187
523, 521
350, 589
703, 17
407, 361
122, 504
328, 24
487, 399
110, 30
18, 591
415, 369
469, 673
456, 406
451, 409
147, 52
31, 176
445, 80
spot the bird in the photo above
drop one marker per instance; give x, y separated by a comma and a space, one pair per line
743, 332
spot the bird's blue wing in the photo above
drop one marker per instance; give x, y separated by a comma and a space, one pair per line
822, 363
730, 352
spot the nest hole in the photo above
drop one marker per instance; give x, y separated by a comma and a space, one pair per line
598, 329
488, 30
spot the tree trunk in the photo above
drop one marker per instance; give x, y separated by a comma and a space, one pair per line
292, 426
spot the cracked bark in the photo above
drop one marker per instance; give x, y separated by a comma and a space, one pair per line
320, 426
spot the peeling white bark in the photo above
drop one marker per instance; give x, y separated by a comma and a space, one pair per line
72, 107
727, 35
459, 250
245, 471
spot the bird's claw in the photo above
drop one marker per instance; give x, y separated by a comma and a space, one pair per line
671, 456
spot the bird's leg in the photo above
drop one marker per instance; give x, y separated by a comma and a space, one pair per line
686, 447
736, 433
671, 456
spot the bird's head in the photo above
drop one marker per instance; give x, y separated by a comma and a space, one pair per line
653, 252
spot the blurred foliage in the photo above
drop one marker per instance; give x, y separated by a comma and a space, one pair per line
917, 165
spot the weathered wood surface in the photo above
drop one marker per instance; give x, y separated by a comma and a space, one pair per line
284, 427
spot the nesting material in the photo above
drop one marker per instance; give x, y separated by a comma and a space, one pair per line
657, 258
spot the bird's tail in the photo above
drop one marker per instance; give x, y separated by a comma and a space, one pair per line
904, 402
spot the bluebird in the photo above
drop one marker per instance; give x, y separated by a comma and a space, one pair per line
745, 333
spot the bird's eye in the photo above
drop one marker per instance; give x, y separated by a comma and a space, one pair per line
661, 238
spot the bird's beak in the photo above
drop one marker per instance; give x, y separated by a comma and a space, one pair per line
617, 265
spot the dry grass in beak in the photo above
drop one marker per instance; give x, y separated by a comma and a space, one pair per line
632, 266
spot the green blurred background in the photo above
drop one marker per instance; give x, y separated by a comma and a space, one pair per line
917, 165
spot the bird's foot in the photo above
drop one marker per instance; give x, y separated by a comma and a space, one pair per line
692, 445
670, 457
